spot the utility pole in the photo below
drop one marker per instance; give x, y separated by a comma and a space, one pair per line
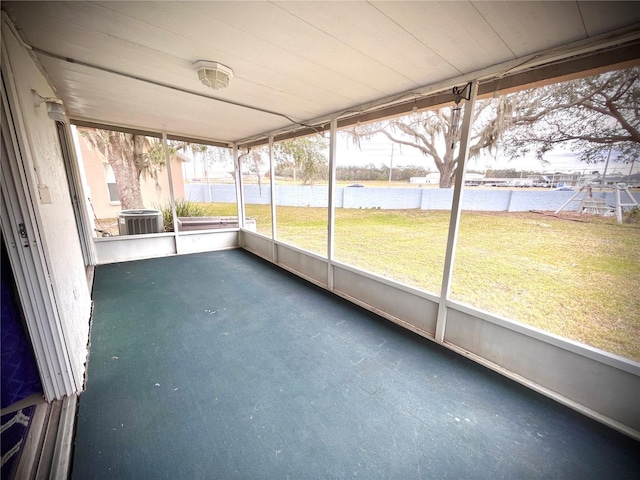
631, 169
606, 164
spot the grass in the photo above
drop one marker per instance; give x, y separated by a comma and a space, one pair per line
575, 276
574, 279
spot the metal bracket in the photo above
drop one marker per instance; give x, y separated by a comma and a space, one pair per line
460, 93
23, 235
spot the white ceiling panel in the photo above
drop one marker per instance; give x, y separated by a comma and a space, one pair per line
530, 27
128, 45
166, 44
310, 53
125, 101
298, 60
233, 41
454, 30
362, 27
98, 48
602, 17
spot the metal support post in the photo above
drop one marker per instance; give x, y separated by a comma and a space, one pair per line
456, 207
274, 199
331, 211
239, 187
172, 200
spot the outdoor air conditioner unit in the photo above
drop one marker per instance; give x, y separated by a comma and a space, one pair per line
136, 222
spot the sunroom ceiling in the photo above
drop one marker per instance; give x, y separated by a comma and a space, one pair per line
294, 62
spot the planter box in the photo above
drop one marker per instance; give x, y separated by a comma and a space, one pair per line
187, 224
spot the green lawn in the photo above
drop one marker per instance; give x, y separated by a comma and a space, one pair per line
577, 279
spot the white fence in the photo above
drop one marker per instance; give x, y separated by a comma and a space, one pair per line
520, 200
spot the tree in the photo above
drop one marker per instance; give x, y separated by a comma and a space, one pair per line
372, 173
303, 156
252, 159
210, 157
436, 133
597, 116
594, 115
132, 157
125, 153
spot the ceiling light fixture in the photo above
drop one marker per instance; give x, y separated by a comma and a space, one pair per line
213, 74
55, 107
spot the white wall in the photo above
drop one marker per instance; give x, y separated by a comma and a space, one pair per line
56, 219
481, 199
136, 247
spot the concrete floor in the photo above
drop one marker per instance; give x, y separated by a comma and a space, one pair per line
221, 365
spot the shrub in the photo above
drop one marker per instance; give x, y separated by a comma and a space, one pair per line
634, 215
184, 208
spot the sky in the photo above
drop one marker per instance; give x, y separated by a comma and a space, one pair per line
379, 151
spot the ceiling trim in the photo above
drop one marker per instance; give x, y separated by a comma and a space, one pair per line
602, 51
624, 56
101, 126
147, 133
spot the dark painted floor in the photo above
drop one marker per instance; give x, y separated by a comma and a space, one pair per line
220, 365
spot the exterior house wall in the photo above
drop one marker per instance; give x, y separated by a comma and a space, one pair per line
56, 222
94, 166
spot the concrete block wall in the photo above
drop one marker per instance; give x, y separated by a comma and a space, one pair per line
486, 200
254, 195
523, 201
436, 198
498, 200
384, 198
209, 192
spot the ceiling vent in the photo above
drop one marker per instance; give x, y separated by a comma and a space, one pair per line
213, 74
